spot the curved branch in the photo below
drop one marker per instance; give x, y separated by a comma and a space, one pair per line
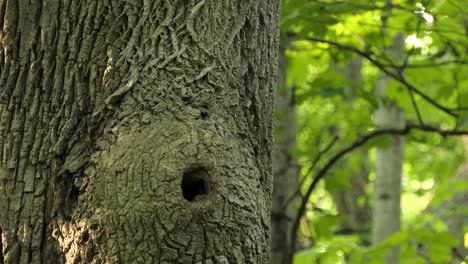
396, 76
358, 143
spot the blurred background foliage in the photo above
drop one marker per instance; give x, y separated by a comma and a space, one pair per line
321, 38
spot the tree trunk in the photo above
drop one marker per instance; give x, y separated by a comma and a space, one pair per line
389, 161
387, 187
136, 132
285, 171
454, 212
358, 216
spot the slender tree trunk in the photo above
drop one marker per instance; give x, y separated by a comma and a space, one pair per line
389, 160
136, 131
285, 170
454, 212
358, 216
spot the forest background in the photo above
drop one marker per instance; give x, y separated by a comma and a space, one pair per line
371, 113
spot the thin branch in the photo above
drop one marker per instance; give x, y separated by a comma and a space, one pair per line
458, 254
382, 67
314, 163
403, 67
436, 29
351, 231
356, 144
375, 7
461, 109
430, 65
415, 106
412, 50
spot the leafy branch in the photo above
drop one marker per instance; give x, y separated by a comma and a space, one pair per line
398, 76
356, 144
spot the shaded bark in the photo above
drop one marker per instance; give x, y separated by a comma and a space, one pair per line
108, 107
285, 171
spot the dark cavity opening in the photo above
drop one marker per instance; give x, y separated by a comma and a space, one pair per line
194, 184
204, 115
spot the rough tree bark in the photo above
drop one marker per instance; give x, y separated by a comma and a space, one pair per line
285, 170
136, 131
389, 162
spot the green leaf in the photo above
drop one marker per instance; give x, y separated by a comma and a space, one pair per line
341, 7
383, 141
462, 121
325, 225
304, 256
338, 179
443, 192
440, 247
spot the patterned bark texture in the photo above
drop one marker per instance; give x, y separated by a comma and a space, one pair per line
136, 131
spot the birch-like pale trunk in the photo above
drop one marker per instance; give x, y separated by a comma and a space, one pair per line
388, 167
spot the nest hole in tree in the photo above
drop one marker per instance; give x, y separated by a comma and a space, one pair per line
195, 184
